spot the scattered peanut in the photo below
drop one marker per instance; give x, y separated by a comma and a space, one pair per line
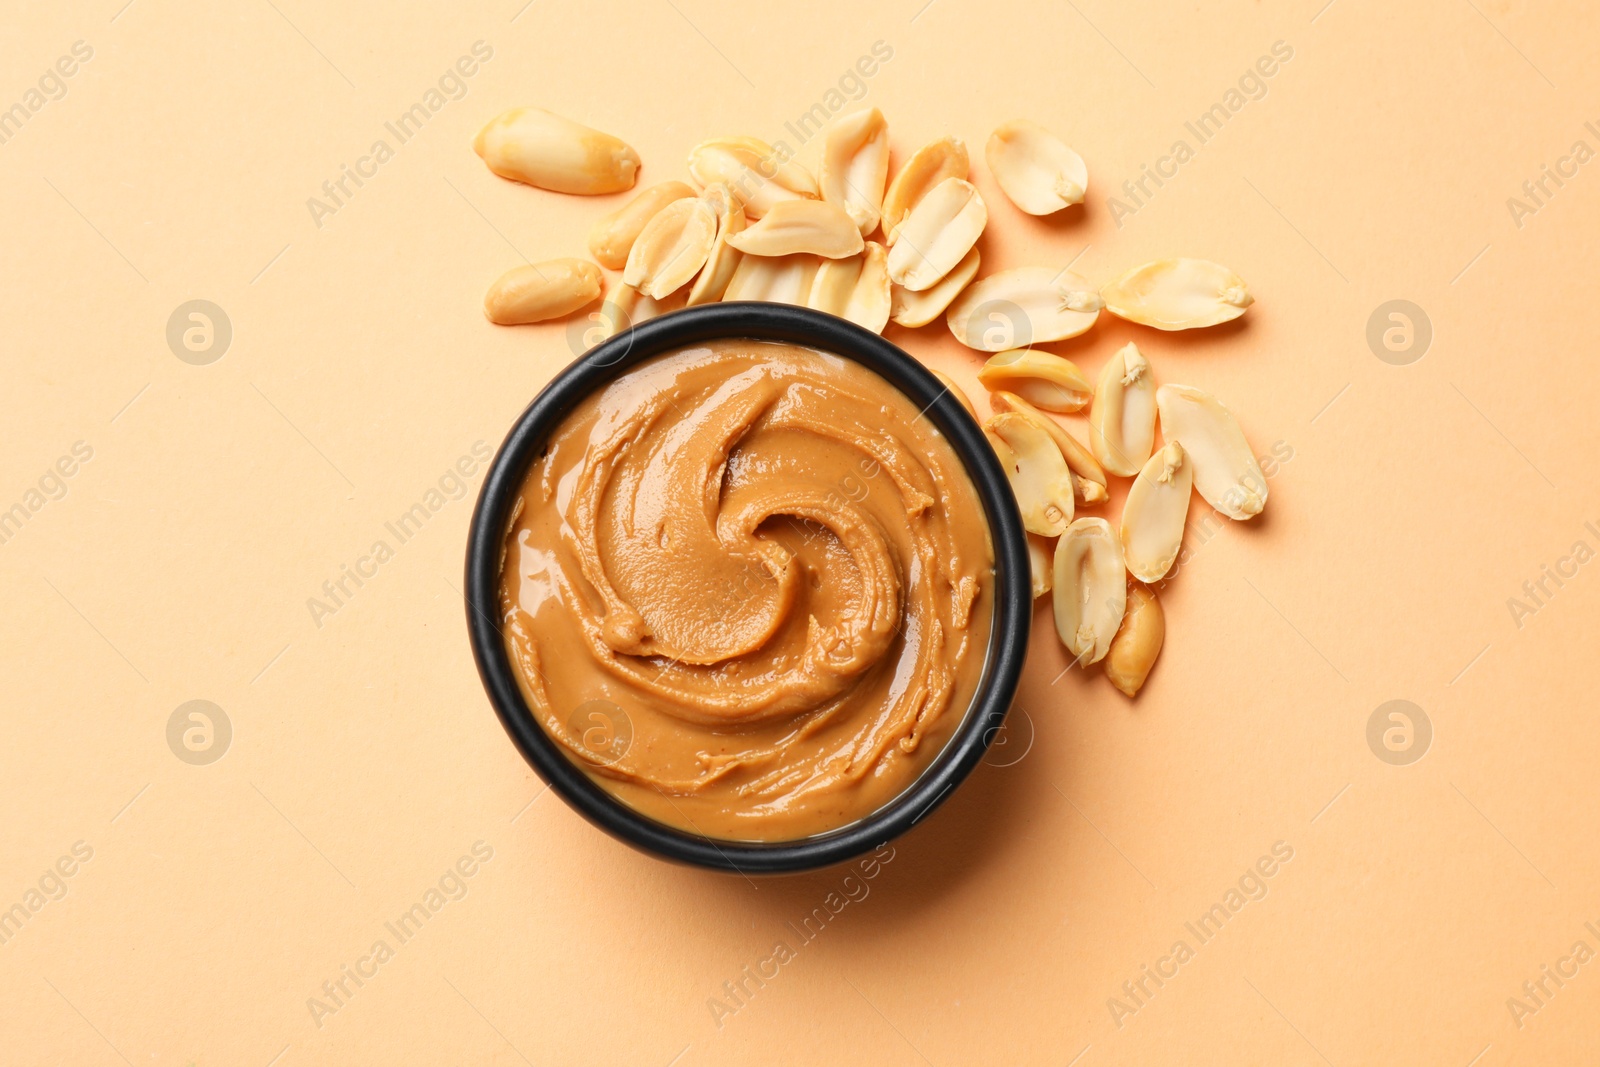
791, 226
1035, 168
1085, 468
928, 167
529, 144
869, 300
919, 309
1122, 422
1178, 294
1138, 642
672, 248
1022, 307
1043, 380
1041, 568
723, 259
624, 307
612, 237
835, 282
955, 390
1225, 470
937, 235
1038, 474
1153, 515
779, 279
1091, 589
855, 165
753, 171
535, 292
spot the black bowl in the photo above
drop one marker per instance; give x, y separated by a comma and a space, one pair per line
1013, 607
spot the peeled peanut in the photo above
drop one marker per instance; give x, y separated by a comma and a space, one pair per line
1002, 451
1035, 168
855, 164
1022, 307
1226, 473
723, 259
1122, 422
834, 283
927, 167
1091, 589
1178, 294
919, 309
868, 306
613, 235
672, 248
777, 279
539, 291
1041, 569
1044, 380
1138, 642
1153, 516
1038, 474
529, 144
625, 306
937, 235
1089, 478
755, 172
854, 288
791, 226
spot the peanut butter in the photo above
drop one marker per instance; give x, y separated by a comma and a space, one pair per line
748, 588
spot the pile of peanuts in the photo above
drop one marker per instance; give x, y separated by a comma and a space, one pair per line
756, 225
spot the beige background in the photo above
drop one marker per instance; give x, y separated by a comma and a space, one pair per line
364, 759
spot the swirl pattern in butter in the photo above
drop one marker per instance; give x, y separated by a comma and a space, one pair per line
747, 586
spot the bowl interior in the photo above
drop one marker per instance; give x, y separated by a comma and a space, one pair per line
1013, 606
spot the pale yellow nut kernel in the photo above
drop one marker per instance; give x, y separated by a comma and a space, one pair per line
855, 165
775, 279
1153, 516
836, 280
1041, 568
672, 248
919, 309
792, 226
1138, 642
1178, 294
1044, 380
937, 235
1035, 168
640, 307
1122, 420
928, 166
1002, 451
869, 300
623, 307
1226, 473
529, 144
1091, 589
1088, 493
757, 174
1022, 307
1038, 474
613, 235
535, 292
1079, 459
723, 258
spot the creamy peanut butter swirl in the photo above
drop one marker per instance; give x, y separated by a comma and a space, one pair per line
747, 587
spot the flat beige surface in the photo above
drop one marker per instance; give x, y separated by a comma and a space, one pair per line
177, 562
